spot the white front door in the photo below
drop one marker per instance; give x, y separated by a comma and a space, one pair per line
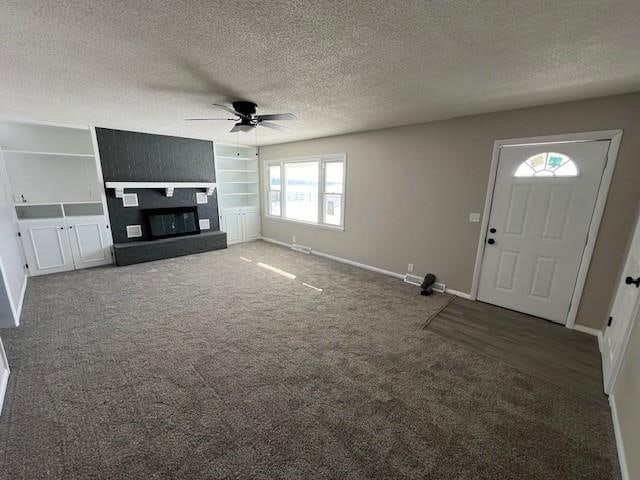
46, 245
625, 308
90, 241
542, 206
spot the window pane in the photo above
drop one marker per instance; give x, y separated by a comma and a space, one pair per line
274, 177
274, 203
302, 191
333, 177
332, 209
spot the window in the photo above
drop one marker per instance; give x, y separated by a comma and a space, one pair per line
274, 190
308, 190
547, 164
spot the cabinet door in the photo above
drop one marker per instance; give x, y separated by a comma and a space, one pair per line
232, 225
46, 246
251, 223
90, 241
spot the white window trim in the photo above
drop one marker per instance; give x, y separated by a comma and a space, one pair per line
322, 160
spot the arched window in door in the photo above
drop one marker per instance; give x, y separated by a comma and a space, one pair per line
547, 164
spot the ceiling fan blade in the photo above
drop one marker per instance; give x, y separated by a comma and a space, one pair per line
275, 126
207, 119
241, 127
277, 116
228, 109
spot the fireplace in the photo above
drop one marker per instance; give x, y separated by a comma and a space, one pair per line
172, 222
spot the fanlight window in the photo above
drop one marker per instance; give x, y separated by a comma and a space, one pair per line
547, 164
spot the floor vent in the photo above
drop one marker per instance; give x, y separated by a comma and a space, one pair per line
439, 287
413, 279
300, 248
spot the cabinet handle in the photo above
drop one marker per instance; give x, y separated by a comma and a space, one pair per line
61, 228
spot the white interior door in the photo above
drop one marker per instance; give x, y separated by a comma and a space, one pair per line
232, 224
46, 245
543, 202
90, 241
626, 306
251, 225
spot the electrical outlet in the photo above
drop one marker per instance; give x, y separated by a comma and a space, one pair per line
474, 217
410, 268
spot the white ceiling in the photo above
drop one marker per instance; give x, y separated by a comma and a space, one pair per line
340, 66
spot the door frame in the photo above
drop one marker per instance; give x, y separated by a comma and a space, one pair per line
615, 137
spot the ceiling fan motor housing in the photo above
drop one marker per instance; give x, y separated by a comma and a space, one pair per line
248, 109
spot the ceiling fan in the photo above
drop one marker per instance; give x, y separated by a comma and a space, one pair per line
246, 118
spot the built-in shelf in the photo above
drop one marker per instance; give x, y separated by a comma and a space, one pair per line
59, 154
241, 171
227, 157
168, 187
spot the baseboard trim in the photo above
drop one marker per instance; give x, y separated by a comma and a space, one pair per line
588, 330
4, 373
624, 471
457, 293
341, 260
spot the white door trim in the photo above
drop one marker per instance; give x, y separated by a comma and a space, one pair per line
615, 137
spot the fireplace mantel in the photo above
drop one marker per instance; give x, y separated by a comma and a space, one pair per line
168, 187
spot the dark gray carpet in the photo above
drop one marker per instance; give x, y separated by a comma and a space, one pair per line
210, 367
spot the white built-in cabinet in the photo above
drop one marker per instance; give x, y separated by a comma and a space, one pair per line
60, 244
238, 192
240, 225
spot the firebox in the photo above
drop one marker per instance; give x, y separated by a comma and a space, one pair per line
172, 222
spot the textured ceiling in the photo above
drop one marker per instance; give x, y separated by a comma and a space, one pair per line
341, 66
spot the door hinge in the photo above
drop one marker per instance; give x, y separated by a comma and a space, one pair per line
26, 265
610, 321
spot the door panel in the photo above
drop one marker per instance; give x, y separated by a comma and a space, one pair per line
626, 306
89, 241
251, 226
232, 225
541, 223
46, 245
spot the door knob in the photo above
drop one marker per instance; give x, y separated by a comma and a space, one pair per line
492, 230
630, 280
491, 241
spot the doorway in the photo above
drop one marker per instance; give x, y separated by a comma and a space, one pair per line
542, 213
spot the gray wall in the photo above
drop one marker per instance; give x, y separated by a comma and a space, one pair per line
410, 190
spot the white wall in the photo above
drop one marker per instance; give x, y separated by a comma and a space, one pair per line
11, 256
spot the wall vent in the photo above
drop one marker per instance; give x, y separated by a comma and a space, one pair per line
439, 287
204, 224
201, 197
300, 248
134, 231
413, 279
130, 200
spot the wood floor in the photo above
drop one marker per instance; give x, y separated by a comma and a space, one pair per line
567, 358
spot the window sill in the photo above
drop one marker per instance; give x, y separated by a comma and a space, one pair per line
335, 228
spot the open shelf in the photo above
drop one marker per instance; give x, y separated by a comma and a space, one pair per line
243, 159
237, 176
